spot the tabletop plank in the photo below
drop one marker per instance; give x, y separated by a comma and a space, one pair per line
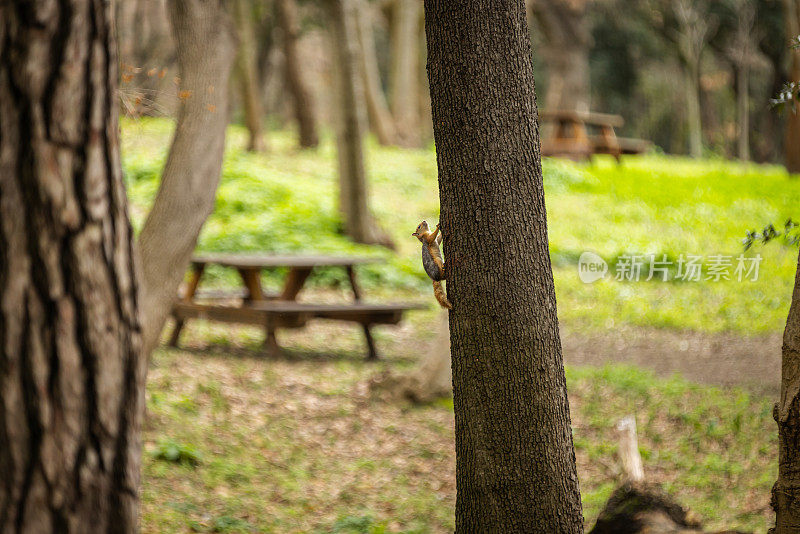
587, 117
251, 261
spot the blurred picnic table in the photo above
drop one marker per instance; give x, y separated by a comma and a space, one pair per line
578, 135
281, 310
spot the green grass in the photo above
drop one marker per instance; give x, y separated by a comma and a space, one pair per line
294, 447
285, 201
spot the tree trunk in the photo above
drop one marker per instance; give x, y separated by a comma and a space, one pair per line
515, 462
144, 43
693, 119
792, 145
786, 491
404, 70
301, 95
126, 28
694, 29
743, 111
247, 74
380, 118
433, 378
567, 53
424, 93
206, 49
71, 364
353, 198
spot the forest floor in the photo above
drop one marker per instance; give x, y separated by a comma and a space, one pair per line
720, 359
235, 442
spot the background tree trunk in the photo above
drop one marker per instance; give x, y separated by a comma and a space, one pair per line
247, 73
693, 118
743, 112
424, 92
515, 462
301, 95
206, 49
403, 82
564, 25
431, 380
71, 368
380, 118
792, 146
694, 29
144, 43
786, 491
353, 198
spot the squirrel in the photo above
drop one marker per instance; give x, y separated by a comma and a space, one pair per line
432, 260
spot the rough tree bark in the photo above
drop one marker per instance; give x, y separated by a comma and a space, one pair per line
353, 198
515, 462
792, 141
403, 84
563, 23
786, 491
301, 95
380, 118
206, 49
71, 365
247, 74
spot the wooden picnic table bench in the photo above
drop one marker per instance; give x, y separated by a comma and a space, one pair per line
279, 310
569, 136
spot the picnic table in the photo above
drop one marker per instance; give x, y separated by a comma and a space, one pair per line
578, 135
281, 310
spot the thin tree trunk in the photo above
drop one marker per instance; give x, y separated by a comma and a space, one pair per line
568, 79
515, 462
126, 28
792, 141
786, 491
353, 197
404, 70
247, 74
301, 94
693, 118
743, 111
695, 25
206, 49
380, 118
431, 380
567, 53
424, 93
71, 363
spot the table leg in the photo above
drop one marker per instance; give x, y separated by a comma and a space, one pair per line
351, 274
255, 293
191, 289
294, 282
372, 353
610, 139
252, 281
271, 346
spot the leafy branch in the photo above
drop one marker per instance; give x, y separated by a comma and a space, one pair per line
790, 235
790, 92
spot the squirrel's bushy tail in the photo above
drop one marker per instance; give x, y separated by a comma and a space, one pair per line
438, 292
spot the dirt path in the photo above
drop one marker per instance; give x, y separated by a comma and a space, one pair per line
719, 359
